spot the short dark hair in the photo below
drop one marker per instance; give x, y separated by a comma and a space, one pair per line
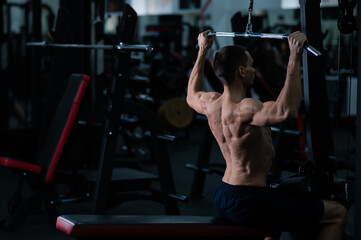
227, 60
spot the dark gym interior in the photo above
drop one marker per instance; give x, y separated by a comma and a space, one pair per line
94, 118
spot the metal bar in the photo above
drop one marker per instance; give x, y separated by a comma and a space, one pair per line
248, 35
313, 50
120, 46
35, 64
293, 132
357, 209
309, 48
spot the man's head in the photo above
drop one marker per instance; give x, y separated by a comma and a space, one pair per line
228, 60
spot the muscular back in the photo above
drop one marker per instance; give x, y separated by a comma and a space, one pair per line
247, 149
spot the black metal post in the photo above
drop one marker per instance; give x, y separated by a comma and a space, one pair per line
317, 121
358, 139
108, 149
8, 29
2, 32
35, 65
112, 116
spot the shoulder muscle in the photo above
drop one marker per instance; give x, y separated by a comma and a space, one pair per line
255, 112
202, 100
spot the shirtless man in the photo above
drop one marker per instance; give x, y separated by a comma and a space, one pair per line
241, 127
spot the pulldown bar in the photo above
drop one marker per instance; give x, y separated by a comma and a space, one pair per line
309, 48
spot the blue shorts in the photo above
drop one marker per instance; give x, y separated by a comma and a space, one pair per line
262, 208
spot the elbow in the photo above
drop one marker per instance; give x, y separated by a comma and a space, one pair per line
284, 115
293, 111
188, 99
288, 112
291, 114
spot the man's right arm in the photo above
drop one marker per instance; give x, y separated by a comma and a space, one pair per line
196, 97
289, 100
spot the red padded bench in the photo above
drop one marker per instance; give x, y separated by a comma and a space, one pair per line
161, 226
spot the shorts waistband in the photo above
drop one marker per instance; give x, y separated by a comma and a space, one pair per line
242, 188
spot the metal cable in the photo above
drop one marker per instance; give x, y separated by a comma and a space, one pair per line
249, 24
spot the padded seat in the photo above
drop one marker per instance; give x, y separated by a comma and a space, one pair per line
135, 226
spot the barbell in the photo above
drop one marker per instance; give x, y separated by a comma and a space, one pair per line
120, 46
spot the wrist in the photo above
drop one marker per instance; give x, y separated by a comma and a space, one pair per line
296, 57
202, 50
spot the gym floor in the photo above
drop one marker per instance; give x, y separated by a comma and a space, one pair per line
185, 150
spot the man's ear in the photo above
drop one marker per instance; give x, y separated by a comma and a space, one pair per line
241, 71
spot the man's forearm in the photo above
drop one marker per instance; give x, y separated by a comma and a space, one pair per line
290, 97
195, 83
295, 95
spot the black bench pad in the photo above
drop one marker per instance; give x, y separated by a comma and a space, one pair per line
135, 226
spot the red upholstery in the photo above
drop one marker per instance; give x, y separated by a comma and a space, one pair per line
12, 163
134, 226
